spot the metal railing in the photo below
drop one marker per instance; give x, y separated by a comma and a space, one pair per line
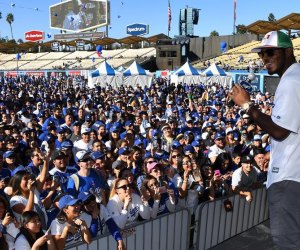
167, 232
215, 225
212, 226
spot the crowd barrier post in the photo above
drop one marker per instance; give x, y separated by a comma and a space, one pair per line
214, 225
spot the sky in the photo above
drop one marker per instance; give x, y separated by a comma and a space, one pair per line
214, 15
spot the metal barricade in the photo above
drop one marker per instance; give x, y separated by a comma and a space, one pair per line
214, 225
167, 232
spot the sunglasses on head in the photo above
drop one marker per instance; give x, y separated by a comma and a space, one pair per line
124, 187
267, 52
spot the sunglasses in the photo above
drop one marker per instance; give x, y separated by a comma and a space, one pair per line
149, 162
267, 52
124, 187
175, 156
86, 160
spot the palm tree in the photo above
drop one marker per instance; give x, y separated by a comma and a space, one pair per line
10, 19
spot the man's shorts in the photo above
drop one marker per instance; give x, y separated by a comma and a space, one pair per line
284, 207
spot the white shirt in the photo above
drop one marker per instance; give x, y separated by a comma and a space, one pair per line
18, 199
124, 217
22, 243
285, 154
241, 180
57, 228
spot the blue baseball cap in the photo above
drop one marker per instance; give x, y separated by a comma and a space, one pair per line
88, 118
138, 142
176, 144
97, 155
196, 144
129, 123
60, 130
114, 129
218, 136
188, 149
67, 200
123, 151
66, 144
83, 196
18, 169
9, 154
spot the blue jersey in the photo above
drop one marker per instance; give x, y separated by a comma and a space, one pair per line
94, 181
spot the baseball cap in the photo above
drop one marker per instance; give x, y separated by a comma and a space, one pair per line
114, 129
97, 155
66, 144
18, 169
188, 149
9, 154
82, 155
88, 118
229, 130
274, 39
57, 154
67, 200
218, 136
85, 130
176, 144
83, 196
256, 138
128, 123
123, 151
246, 159
195, 144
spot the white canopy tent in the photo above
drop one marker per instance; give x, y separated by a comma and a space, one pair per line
215, 74
105, 75
186, 74
136, 75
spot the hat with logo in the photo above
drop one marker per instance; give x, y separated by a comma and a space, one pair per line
83, 196
188, 149
57, 154
67, 200
66, 144
256, 138
85, 130
88, 118
274, 39
246, 159
123, 151
129, 123
97, 155
176, 144
82, 155
218, 136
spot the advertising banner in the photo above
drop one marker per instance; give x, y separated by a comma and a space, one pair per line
34, 35
137, 29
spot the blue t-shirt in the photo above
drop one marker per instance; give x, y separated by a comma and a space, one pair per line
94, 181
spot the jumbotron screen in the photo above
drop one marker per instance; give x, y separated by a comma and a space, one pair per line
80, 15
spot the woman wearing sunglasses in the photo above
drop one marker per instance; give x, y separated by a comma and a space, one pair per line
101, 220
124, 206
70, 225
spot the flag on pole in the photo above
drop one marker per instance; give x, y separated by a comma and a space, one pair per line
234, 6
169, 17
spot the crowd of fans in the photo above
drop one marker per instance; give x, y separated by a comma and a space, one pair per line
78, 162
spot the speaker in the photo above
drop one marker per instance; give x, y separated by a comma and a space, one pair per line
195, 16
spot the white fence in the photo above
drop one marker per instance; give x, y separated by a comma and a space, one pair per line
213, 225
